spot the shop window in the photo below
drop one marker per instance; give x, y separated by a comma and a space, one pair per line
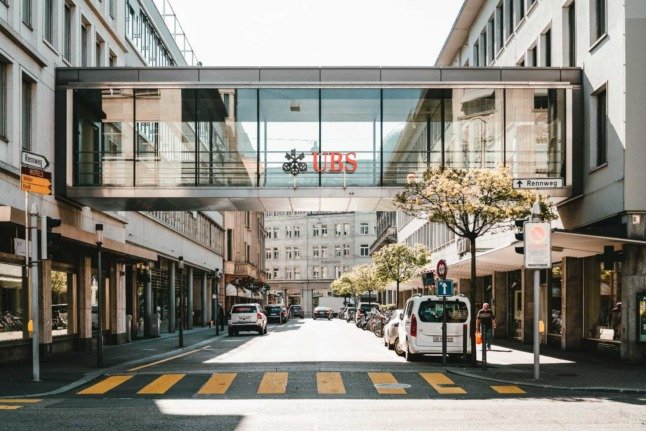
554, 318
62, 313
603, 302
13, 300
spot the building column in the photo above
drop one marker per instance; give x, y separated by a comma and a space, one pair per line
571, 303
148, 301
85, 302
592, 295
307, 301
189, 299
633, 277
45, 305
500, 304
171, 296
527, 289
117, 303
205, 299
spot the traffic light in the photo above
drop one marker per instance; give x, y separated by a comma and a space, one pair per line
53, 238
520, 234
428, 278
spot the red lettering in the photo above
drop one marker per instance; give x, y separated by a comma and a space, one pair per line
351, 164
336, 162
315, 161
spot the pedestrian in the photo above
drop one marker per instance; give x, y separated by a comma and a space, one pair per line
485, 324
221, 317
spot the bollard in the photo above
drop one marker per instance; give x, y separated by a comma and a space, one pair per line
464, 343
484, 349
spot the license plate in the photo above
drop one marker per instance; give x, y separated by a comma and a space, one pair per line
244, 319
439, 339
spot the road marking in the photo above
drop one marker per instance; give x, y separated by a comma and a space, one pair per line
508, 389
381, 378
442, 384
105, 385
161, 361
10, 407
218, 384
161, 384
20, 400
329, 383
273, 383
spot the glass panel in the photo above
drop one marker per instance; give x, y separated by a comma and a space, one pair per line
409, 116
535, 132
12, 302
61, 302
351, 137
289, 137
473, 128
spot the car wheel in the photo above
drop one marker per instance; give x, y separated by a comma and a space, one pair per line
410, 357
313, 318
398, 348
260, 331
265, 330
230, 332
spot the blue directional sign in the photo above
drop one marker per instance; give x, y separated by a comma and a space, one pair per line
445, 288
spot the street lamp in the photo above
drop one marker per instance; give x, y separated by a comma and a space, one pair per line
216, 308
180, 267
99, 334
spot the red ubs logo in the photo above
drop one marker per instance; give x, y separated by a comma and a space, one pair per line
334, 162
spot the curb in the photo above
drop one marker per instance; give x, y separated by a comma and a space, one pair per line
115, 369
546, 386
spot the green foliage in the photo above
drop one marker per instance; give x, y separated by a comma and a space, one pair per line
400, 262
59, 283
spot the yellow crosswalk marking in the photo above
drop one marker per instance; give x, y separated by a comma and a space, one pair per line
442, 384
20, 400
4, 407
218, 384
105, 385
386, 378
508, 389
329, 383
161, 384
273, 383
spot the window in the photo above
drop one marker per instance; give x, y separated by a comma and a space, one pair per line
297, 252
324, 251
275, 273
533, 57
98, 53
49, 21
346, 250
112, 8
315, 230
26, 113
3, 99
84, 45
490, 45
267, 252
476, 54
510, 17
547, 38
485, 49
602, 128
26, 12
337, 272
599, 12
275, 252
323, 230
67, 33
316, 272
324, 272
521, 9
288, 273
346, 228
247, 255
275, 232
337, 229
288, 231
337, 251
365, 229
229, 244
571, 22
316, 251
288, 252
297, 231
500, 27
297, 273
364, 249
112, 61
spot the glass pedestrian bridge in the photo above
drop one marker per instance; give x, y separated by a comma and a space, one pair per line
303, 138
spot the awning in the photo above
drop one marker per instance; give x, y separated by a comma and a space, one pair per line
564, 244
231, 290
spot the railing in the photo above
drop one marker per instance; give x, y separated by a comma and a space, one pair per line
174, 26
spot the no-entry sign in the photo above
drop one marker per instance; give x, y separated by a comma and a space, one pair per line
538, 245
442, 269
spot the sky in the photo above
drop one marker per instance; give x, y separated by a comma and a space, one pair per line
317, 32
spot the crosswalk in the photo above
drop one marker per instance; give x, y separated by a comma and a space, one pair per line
281, 383
16, 403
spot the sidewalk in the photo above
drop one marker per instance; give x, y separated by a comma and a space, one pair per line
66, 368
513, 363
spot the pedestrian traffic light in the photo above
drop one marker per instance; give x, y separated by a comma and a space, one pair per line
53, 238
520, 234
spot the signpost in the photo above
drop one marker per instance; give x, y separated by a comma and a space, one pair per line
538, 183
35, 180
538, 245
34, 160
444, 289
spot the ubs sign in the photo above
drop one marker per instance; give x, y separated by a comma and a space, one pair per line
330, 161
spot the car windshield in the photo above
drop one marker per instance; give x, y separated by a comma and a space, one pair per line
432, 311
244, 309
273, 309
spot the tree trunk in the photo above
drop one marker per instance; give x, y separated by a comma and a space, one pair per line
472, 299
397, 297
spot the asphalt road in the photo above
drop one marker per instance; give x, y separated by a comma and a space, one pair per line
312, 375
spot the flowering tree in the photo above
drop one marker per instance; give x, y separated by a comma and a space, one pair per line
469, 203
399, 262
344, 286
366, 278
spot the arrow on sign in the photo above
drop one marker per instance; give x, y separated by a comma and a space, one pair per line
520, 183
36, 181
34, 160
28, 187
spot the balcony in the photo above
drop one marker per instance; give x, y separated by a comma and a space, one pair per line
388, 236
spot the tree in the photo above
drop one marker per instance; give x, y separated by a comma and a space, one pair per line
366, 278
469, 203
400, 262
343, 286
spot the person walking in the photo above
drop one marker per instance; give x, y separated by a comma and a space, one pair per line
485, 324
221, 317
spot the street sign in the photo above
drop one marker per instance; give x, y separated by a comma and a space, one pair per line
34, 160
442, 269
20, 247
445, 288
538, 245
537, 183
35, 180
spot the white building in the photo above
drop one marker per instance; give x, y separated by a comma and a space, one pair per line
305, 252
583, 304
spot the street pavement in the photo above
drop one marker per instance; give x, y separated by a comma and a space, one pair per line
314, 375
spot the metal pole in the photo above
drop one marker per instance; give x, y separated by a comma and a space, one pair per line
484, 346
536, 217
181, 309
35, 354
444, 331
99, 334
216, 311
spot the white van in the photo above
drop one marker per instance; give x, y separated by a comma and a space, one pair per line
421, 329
247, 317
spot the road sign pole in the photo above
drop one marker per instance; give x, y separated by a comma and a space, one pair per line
536, 217
34, 293
444, 331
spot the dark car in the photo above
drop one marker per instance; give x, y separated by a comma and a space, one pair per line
296, 311
276, 312
322, 313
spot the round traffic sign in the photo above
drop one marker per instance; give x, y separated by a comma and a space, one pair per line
442, 268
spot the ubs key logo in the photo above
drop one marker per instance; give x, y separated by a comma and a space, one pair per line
294, 164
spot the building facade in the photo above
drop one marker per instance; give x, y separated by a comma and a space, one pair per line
585, 303
140, 249
306, 251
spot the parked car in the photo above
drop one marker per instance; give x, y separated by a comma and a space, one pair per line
363, 308
391, 330
296, 311
345, 311
322, 313
276, 312
247, 317
349, 314
420, 331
